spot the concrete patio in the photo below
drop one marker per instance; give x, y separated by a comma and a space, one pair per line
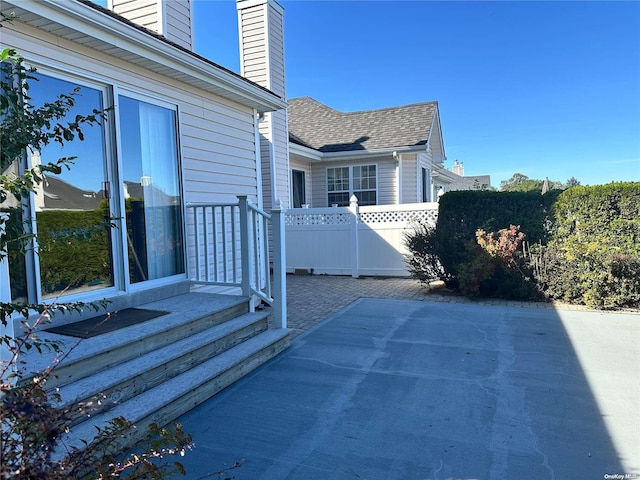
430, 388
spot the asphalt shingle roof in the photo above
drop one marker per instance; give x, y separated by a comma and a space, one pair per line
315, 125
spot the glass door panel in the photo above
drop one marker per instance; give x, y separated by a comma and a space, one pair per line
151, 186
72, 209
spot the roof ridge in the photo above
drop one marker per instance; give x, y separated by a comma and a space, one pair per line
398, 107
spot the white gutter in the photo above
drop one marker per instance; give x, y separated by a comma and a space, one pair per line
315, 155
114, 33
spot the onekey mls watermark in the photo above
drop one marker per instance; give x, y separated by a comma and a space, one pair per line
622, 476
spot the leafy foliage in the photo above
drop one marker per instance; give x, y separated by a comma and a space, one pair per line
496, 266
462, 213
521, 183
422, 260
594, 252
583, 244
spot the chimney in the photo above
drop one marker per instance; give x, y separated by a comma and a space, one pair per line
261, 30
458, 168
169, 18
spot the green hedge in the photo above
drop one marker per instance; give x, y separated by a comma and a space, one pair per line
462, 213
586, 242
593, 256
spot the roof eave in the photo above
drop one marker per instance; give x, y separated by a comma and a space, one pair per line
83, 24
318, 156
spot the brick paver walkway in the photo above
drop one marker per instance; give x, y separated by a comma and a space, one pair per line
311, 299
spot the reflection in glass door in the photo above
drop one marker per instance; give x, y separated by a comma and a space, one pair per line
72, 209
151, 187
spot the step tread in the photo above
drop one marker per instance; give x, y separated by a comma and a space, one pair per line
145, 404
86, 387
183, 309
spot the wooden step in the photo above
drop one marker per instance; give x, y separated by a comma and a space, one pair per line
189, 314
116, 385
179, 394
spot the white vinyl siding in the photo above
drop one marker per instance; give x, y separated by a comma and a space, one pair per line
145, 13
387, 182
280, 147
253, 45
262, 61
178, 22
276, 53
172, 18
409, 178
424, 162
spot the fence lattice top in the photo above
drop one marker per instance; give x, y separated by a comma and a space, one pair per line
367, 215
319, 219
402, 216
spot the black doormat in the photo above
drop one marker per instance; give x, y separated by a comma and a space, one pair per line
99, 325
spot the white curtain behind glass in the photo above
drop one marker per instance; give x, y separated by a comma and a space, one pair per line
160, 187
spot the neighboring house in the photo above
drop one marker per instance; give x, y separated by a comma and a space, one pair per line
387, 156
183, 129
470, 182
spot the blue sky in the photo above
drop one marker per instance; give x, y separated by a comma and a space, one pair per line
546, 89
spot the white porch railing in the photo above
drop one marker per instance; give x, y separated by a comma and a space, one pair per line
353, 240
229, 246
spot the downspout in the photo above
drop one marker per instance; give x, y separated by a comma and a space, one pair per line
257, 117
398, 158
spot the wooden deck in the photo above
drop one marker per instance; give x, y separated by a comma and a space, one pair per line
155, 371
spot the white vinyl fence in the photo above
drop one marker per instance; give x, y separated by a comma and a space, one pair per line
367, 241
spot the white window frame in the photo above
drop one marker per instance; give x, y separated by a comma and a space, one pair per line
109, 131
139, 95
351, 182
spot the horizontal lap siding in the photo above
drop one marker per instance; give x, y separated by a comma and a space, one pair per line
318, 182
178, 23
276, 53
142, 12
387, 182
423, 161
281, 156
253, 45
409, 178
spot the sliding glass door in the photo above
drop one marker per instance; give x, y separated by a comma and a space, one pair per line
151, 186
73, 209
108, 221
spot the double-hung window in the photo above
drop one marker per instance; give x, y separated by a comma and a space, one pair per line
338, 186
343, 182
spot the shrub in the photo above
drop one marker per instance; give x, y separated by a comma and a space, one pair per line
422, 260
594, 252
462, 213
495, 266
32, 428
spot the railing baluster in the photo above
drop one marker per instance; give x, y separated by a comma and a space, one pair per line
206, 243
196, 236
242, 230
265, 233
234, 241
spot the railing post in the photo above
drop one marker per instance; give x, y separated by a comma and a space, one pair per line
245, 245
355, 246
279, 267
